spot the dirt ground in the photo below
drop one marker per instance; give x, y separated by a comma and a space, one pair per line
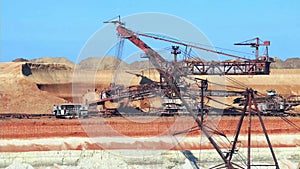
24, 129
43, 128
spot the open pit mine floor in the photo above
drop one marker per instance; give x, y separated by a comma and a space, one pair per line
137, 133
138, 142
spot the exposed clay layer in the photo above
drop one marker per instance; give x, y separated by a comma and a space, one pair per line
142, 133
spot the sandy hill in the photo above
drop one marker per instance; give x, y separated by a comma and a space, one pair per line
46, 73
19, 95
57, 60
20, 60
102, 63
140, 65
21, 84
291, 63
111, 63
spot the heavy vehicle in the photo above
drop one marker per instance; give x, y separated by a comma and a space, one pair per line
273, 104
70, 110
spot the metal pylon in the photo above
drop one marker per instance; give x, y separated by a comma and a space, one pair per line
250, 111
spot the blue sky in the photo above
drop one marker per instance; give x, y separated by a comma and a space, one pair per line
34, 28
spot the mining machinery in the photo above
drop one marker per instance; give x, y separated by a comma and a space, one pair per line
273, 104
239, 66
175, 75
171, 71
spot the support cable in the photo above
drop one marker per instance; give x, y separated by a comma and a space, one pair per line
290, 123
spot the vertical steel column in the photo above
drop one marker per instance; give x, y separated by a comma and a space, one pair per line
266, 135
239, 127
203, 87
249, 131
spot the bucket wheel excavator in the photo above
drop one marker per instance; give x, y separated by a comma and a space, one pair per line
175, 74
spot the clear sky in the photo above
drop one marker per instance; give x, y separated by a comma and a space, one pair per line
39, 28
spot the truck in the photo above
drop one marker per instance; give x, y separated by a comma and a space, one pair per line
70, 110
